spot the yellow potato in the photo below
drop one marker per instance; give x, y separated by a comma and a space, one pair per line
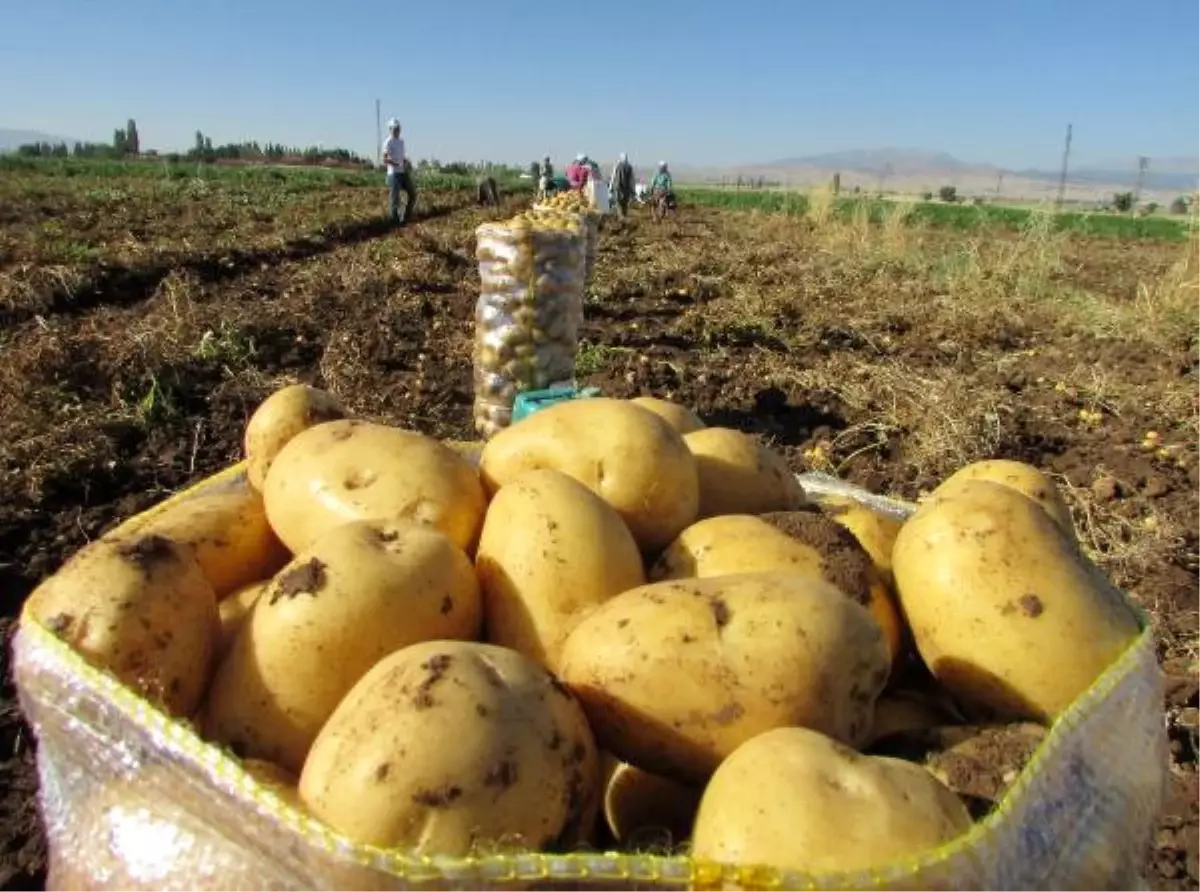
641, 807
281, 416
629, 457
445, 745
796, 800
1017, 476
899, 712
233, 611
275, 778
343, 471
874, 530
550, 551
675, 675
739, 475
679, 417
362, 591
1005, 612
140, 608
800, 542
227, 531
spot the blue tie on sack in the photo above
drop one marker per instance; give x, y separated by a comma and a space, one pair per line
531, 401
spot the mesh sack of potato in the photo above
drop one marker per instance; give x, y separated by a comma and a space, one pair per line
576, 203
529, 310
134, 798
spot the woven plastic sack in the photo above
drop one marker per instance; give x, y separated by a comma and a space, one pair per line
133, 799
530, 307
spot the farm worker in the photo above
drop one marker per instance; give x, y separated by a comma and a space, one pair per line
488, 194
621, 183
399, 175
578, 172
662, 180
546, 180
640, 191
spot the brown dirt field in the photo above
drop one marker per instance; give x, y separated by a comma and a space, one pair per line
138, 333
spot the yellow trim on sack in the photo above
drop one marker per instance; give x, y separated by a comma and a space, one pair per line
528, 866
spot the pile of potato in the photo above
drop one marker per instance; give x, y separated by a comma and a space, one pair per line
529, 310
621, 628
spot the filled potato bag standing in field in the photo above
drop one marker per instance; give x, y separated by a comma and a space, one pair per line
133, 799
529, 310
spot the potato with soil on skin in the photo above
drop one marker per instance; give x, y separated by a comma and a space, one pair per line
794, 799
281, 416
233, 611
739, 475
874, 530
801, 542
227, 531
362, 591
642, 807
551, 550
675, 675
343, 471
978, 762
445, 744
1019, 477
1005, 612
679, 417
628, 456
140, 608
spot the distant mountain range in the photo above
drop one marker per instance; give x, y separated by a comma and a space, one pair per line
901, 170
918, 170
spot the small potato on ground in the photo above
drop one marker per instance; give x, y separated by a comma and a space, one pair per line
446, 745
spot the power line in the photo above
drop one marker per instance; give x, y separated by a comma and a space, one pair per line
1143, 166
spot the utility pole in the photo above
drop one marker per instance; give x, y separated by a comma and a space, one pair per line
378, 134
1143, 165
999, 182
1062, 180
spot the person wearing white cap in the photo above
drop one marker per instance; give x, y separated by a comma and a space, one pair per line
621, 183
399, 175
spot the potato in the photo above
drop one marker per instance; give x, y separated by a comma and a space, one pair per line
874, 530
800, 542
675, 675
228, 532
342, 471
1006, 614
739, 475
645, 808
550, 551
281, 781
233, 612
796, 800
444, 745
140, 608
281, 416
362, 591
897, 712
629, 457
679, 417
1020, 477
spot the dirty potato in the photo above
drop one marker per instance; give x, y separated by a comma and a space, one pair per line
362, 591
140, 608
675, 675
446, 745
739, 475
281, 416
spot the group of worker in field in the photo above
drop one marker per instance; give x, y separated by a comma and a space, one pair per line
582, 174
622, 185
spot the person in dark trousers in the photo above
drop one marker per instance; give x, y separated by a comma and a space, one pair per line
488, 194
621, 184
399, 175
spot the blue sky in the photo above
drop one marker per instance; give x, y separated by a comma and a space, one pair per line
697, 82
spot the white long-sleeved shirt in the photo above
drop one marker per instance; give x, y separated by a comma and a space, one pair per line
393, 153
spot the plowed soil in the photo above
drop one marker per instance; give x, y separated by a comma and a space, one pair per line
140, 328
